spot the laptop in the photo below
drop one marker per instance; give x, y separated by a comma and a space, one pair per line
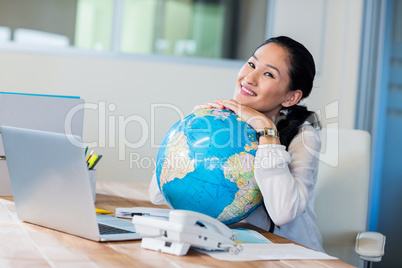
51, 187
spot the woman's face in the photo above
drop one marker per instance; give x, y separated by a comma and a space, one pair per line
262, 83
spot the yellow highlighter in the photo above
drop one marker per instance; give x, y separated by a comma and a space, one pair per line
102, 211
92, 160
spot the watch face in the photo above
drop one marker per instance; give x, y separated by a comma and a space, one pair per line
268, 132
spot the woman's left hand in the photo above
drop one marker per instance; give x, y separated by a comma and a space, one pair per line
254, 118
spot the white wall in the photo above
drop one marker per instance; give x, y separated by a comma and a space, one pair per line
330, 29
132, 86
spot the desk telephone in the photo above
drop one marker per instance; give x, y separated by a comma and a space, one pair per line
183, 229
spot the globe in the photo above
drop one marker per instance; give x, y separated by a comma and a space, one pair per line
206, 164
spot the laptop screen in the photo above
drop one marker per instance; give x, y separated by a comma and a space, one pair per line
50, 182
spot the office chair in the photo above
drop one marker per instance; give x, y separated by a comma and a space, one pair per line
341, 197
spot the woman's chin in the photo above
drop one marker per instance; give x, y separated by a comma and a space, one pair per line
244, 100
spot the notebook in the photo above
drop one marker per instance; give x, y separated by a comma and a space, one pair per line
51, 187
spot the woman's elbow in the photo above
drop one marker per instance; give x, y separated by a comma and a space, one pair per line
286, 215
280, 220
153, 200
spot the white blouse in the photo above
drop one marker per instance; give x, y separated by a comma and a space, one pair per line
286, 180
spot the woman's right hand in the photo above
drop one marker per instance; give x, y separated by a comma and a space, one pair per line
209, 105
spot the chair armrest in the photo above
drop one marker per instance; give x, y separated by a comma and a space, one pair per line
370, 246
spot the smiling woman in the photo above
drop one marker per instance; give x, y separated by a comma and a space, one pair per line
185, 28
269, 87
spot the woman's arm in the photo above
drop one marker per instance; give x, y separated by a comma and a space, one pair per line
285, 178
154, 193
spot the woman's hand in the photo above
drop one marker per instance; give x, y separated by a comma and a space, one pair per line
209, 105
254, 118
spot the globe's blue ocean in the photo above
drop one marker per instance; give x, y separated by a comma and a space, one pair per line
206, 164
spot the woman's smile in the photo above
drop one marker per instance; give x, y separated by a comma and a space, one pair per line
246, 90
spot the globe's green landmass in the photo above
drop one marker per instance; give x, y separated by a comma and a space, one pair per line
206, 164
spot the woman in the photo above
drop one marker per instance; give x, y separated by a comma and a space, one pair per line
269, 86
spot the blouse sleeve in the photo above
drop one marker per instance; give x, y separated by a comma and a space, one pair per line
286, 177
154, 193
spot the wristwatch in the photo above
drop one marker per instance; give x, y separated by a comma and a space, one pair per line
268, 132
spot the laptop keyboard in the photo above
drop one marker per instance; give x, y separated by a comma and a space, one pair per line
106, 229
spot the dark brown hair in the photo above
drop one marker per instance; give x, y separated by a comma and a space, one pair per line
301, 73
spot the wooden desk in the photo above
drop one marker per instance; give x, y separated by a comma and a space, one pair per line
27, 245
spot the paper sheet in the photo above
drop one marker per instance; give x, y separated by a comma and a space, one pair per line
254, 252
257, 247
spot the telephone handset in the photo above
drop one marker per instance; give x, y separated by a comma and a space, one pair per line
182, 230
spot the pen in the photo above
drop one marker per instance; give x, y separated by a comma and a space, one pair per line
131, 214
86, 150
89, 156
102, 211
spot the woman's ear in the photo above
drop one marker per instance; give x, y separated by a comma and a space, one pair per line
292, 98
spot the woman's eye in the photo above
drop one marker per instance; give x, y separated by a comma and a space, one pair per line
269, 74
251, 64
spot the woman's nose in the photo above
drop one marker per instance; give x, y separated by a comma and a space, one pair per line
251, 78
